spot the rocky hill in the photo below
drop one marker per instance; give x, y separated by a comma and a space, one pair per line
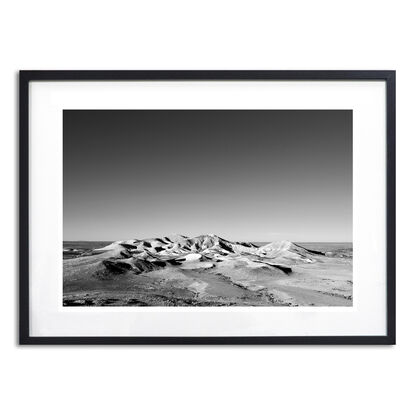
206, 270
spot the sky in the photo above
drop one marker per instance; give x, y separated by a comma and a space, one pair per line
245, 175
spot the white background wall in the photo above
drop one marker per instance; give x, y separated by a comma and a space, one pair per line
217, 34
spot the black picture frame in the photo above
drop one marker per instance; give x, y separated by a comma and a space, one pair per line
27, 76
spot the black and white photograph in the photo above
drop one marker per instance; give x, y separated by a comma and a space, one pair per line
208, 208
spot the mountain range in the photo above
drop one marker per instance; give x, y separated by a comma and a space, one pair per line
207, 270
204, 251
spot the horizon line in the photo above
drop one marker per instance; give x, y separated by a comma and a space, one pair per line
238, 239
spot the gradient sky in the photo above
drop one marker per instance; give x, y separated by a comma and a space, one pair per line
257, 175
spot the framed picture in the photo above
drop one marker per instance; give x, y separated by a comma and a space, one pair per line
207, 207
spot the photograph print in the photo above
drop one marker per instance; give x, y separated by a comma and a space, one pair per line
207, 208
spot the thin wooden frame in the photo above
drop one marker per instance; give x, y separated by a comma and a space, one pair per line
31, 76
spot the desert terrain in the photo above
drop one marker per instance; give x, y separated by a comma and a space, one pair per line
206, 271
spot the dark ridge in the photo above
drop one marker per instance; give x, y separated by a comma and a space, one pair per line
128, 246
159, 263
116, 267
310, 250
315, 252
247, 244
225, 247
158, 248
159, 240
167, 239
285, 270
174, 261
144, 266
147, 244
150, 254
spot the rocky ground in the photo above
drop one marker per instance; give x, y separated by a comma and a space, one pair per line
206, 271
